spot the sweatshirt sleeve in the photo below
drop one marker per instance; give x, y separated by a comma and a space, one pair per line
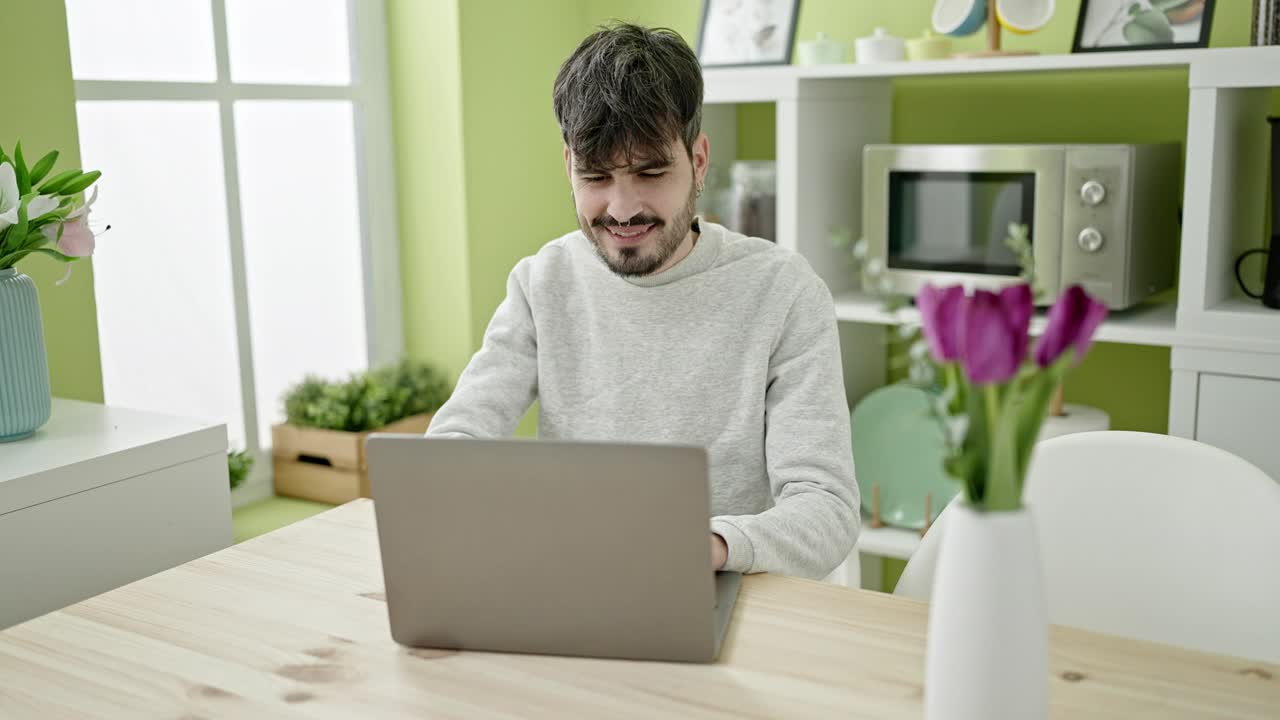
500, 383
814, 522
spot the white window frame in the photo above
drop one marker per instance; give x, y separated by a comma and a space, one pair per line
369, 95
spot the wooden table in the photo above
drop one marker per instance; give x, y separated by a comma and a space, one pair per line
293, 624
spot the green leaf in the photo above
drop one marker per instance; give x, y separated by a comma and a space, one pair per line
12, 258
43, 167
3, 157
56, 182
1003, 483
18, 232
54, 254
975, 451
239, 463
80, 183
1032, 407
20, 168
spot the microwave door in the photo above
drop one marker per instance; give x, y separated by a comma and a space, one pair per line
956, 223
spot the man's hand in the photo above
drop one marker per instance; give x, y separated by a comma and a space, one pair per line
719, 552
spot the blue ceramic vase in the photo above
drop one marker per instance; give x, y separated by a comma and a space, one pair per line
25, 400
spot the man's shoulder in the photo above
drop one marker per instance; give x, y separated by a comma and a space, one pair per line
552, 258
766, 258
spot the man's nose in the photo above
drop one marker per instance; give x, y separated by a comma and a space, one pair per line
624, 203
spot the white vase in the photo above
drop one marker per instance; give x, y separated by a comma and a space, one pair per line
987, 656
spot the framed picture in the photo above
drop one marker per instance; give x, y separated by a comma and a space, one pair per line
747, 32
1108, 25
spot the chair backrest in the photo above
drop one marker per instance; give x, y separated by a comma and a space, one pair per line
1151, 537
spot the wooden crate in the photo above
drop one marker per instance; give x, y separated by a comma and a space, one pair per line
327, 465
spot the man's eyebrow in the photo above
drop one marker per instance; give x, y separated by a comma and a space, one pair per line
655, 164
638, 167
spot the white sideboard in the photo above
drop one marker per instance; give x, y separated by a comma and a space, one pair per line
102, 496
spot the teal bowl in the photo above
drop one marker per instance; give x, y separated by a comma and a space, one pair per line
959, 18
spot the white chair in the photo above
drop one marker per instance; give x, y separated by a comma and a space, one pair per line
847, 573
1151, 537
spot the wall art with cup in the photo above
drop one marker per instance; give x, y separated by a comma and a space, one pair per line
987, 647
41, 213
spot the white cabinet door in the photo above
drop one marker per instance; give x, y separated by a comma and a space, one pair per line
1241, 415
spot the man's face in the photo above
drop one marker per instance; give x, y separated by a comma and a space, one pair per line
638, 213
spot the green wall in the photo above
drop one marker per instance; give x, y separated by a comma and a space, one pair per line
426, 110
481, 174
38, 108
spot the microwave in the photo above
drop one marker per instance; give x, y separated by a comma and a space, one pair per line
1101, 216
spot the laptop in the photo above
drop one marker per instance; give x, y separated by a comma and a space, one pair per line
551, 547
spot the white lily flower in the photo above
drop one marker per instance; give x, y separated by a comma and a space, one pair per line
8, 195
10, 200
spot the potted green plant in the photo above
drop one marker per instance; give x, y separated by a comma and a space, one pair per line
239, 464
318, 452
39, 215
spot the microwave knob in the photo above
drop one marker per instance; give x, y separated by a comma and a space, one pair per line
1093, 192
1090, 239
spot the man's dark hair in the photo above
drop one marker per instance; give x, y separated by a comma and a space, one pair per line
629, 89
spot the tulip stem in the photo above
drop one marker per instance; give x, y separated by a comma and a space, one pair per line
953, 380
1002, 487
989, 394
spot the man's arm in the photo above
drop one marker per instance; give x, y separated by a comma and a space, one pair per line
813, 525
501, 381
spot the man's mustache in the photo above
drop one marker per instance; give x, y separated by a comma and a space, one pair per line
609, 221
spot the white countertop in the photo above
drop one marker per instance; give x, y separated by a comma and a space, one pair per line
86, 445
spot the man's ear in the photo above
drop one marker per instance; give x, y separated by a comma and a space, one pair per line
701, 158
568, 163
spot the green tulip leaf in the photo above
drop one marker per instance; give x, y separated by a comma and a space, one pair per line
55, 255
56, 182
80, 183
20, 169
43, 167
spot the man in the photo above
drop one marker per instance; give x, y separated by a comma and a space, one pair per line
650, 325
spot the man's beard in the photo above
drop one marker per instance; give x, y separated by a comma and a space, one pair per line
634, 261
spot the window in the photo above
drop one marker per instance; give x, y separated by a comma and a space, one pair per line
245, 150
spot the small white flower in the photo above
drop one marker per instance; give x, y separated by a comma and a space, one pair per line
921, 373
919, 350
10, 200
957, 429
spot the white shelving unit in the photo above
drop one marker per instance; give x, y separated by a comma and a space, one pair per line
826, 114
1150, 324
890, 542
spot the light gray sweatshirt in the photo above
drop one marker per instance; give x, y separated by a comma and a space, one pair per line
734, 349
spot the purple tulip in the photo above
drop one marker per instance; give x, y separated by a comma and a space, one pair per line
940, 310
995, 333
1072, 322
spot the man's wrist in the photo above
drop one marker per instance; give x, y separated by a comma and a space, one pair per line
720, 551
